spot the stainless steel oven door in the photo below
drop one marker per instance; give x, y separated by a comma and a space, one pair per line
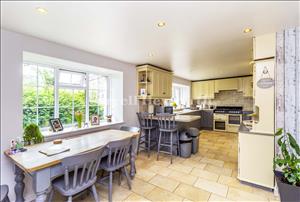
234, 119
219, 125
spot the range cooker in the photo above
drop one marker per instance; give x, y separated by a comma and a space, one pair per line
227, 118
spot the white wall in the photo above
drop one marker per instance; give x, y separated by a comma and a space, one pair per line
12, 47
182, 81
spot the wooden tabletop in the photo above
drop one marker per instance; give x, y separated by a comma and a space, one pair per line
32, 160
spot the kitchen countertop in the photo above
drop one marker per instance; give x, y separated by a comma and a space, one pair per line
244, 129
184, 118
186, 111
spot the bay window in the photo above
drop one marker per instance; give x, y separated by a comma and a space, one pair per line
181, 95
50, 91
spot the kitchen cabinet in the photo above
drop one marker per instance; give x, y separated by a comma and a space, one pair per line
153, 82
226, 84
245, 85
264, 46
255, 158
203, 89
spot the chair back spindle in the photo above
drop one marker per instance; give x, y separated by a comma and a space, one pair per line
81, 169
166, 120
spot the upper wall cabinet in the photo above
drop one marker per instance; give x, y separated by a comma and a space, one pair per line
245, 85
203, 90
153, 83
226, 84
264, 46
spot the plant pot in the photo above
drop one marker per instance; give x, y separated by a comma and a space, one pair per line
287, 192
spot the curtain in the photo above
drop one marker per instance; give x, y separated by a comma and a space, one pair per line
288, 81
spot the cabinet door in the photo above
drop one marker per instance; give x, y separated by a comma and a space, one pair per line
198, 90
264, 46
211, 90
169, 85
155, 84
248, 86
226, 84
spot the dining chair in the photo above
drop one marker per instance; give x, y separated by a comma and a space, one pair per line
167, 129
146, 127
135, 130
117, 159
79, 174
4, 193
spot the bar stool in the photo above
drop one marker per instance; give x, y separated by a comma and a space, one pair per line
167, 127
146, 126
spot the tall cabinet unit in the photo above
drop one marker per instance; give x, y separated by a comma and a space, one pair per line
153, 83
256, 146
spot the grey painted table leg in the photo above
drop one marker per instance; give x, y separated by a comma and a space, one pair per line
19, 187
41, 184
132, 157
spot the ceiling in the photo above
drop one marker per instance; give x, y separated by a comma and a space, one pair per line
201, 40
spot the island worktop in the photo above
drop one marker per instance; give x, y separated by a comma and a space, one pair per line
184, 118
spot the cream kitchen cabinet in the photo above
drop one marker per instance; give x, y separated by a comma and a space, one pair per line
153, 82
245, 85
264, 46
203, 89
226, 84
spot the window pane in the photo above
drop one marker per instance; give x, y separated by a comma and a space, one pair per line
65, 115
65, 98
46, 96
45, 113
45, 76
96, 110
29, 75
29, 115
29, 96
71, 78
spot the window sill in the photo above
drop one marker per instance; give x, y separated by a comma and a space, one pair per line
72, 131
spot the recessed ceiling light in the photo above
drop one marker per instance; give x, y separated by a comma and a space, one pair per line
41, 10
161, 24
247, 30
151, 54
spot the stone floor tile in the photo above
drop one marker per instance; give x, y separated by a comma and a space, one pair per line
164, 171
136, 197
218, 170
212, 162
161, 195
234, 182
217, 198
183, 177
239, 195
181, 168
192, 193
164, 182
205, 174
144, 174
211, 186
140, 187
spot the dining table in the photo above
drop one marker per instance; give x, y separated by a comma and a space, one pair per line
44, 168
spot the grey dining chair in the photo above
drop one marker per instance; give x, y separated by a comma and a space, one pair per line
146, 127
167, 129
4, 193
135, 130
117, 159
79, 174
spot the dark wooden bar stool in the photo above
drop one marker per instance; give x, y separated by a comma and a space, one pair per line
146, 127
167, 128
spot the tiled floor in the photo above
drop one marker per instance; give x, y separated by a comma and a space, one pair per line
209, 175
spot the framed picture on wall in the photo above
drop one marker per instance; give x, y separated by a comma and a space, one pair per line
95, 120
56, 124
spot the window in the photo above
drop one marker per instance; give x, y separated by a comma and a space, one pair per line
50, 92
181, 95
38, 94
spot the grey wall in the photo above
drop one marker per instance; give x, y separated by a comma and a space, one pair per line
12, 47
229, 98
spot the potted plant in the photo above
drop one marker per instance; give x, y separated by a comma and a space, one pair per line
78, 117
32, 134
288, 160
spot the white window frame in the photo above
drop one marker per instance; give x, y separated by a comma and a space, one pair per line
57, 86
181, 89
